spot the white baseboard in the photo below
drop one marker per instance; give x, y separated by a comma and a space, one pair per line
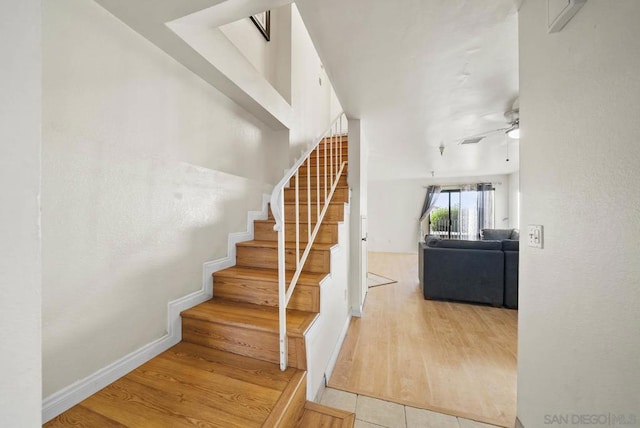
71, 395
356, 312
230, 260
336, 351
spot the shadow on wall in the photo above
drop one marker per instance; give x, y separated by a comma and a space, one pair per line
108, 281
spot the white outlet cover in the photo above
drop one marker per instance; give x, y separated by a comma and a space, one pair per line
535, 236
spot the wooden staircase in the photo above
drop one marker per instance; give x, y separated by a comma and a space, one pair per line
225, 371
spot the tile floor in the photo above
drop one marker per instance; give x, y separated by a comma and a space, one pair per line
374, 413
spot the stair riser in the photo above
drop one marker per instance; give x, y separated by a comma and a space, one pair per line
257, 344
317, 262
345, 137
314, 180
294, 412
336, 148
336, 157
340, 194
335, 212
313, 171
328, 233
260, 292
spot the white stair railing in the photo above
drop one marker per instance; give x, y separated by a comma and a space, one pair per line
333, 165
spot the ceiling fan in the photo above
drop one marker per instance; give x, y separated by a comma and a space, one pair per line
512, 130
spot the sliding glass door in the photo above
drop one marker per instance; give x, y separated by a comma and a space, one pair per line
461, 213
444, 218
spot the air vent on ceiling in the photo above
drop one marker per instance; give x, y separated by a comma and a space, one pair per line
474, 140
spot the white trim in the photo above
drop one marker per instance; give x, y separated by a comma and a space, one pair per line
321, 389
568, 11
73, 394
209, 268
336, 350
356, 312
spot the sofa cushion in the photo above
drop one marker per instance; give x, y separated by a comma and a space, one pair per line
431, 240
495, 234
462, 244
515, 234
510, 245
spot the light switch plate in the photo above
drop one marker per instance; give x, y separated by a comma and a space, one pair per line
535, 235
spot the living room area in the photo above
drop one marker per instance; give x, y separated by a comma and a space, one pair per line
443, 336
443, 160
576, 354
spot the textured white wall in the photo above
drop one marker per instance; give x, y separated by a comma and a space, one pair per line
394, 209
579, 322
146, 169
266, 56
358, 189
20, 244
311, 102
514, 200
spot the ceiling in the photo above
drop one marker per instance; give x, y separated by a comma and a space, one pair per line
421, 73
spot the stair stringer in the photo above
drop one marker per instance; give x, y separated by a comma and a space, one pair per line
324, 338
64, 399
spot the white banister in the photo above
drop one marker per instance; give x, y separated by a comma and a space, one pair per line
309, 199
333, 168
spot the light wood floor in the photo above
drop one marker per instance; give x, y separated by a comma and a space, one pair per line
452, 358
188, 385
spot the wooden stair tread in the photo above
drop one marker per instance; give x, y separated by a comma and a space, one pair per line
293, 186
250, 316
289, 245
189, 385
273, 222
233, 365
304, 205
270, 275
317, 415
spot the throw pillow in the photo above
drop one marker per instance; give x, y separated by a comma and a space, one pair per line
515, 235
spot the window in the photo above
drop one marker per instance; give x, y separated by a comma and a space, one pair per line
461, 213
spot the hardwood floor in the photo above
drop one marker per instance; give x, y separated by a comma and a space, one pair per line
188, 385
452, 358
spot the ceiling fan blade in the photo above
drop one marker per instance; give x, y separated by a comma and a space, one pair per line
475, 139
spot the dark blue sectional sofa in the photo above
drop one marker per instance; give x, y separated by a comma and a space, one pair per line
484, 271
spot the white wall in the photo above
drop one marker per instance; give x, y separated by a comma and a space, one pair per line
579, 335
358, 187
20, 245
334, 105
325, 337
146, 169
514, 200
311, 102
394, 209
266, 56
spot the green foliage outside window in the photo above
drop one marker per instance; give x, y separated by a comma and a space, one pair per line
440, 219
